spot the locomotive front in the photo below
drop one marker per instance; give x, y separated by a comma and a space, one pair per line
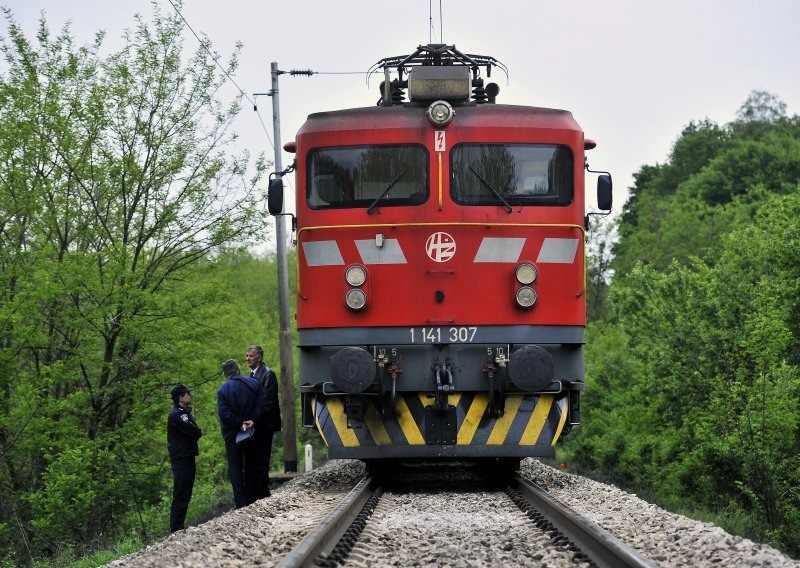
441, 278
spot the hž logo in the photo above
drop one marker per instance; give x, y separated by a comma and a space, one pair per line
440, 247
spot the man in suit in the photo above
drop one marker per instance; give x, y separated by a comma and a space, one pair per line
269, 382
242, 404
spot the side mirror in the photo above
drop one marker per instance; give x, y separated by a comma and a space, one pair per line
275, 196
604, 197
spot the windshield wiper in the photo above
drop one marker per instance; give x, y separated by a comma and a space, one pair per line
385, 191
493, 190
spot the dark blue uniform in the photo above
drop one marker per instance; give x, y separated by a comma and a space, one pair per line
182, 435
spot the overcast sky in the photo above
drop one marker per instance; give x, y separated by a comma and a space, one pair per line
632, 72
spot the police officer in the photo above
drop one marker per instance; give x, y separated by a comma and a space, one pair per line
182, 435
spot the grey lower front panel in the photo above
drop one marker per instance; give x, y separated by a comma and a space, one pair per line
415, 362
441, 335
438, 393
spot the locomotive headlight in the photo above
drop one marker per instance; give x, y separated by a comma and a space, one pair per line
355, 299
440, 113
526, 273
355, 275
526, 297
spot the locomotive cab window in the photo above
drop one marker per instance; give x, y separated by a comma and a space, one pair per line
517, 174
367, 176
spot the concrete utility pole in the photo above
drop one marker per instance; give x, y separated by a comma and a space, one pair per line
287, 359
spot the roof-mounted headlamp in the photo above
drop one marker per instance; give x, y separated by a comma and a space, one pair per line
440, 113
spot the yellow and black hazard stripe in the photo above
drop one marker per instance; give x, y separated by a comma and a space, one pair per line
530, 426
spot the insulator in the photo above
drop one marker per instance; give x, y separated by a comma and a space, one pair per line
479, 95
478, 92
398, 95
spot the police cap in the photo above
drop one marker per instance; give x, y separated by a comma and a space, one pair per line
179, 390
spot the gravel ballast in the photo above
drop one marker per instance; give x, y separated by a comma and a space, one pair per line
447, 529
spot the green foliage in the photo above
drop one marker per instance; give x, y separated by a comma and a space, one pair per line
598, 276
693, 383
761, 107
122, 548
772, 162
715, 180
119, 202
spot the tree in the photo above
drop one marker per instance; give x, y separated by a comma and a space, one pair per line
715, 179
761, 106
116, 182
692, 380
598, 268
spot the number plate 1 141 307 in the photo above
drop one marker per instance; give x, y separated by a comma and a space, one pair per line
442, 334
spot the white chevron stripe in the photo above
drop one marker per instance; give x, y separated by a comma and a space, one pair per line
322, 253
560, 251
499, 250
389, 253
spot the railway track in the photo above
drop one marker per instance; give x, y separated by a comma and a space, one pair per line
592, 542
579, 540
445, 519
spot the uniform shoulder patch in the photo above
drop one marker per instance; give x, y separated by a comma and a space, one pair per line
185, 417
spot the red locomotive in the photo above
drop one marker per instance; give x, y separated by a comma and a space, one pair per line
441, 279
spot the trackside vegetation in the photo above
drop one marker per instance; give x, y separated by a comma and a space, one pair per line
122, 210
693, 383
126, 221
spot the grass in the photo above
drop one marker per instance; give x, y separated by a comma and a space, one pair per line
206, 504
125, 546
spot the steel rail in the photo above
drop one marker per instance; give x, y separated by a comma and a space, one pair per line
322, 539
604, 549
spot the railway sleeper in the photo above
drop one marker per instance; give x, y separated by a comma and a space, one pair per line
556, 536
338, 555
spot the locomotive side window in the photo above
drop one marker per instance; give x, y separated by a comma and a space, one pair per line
516, 174
367, 176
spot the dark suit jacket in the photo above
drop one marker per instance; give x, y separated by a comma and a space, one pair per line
240, 398
269, 381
